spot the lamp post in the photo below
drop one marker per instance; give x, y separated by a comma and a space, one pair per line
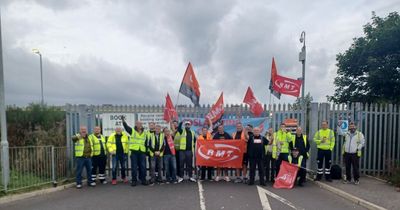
5, 164
36, 51
302, 59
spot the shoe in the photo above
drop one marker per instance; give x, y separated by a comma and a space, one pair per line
192, 179
133, 183
263, 184
104, 182
180, 180
217, 178
78, 186
227, 179
145, 183
251, 183
238, 180
92, 184
125, 180
175, 182
114, 182
345, 181
356, 182
151, 183
245, 180
317, 179
300, 185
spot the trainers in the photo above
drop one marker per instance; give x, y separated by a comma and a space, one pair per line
114, 182
133, 183
104, 182
78, 186
345, 181
125, 180
238, 180
356, 182
192, 179
227, 179
180, 179
92, 184
217, 178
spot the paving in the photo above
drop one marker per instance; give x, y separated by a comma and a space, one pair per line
217, 195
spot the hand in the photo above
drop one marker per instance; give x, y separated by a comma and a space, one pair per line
323, 140
123, 118
78, 135
157, 153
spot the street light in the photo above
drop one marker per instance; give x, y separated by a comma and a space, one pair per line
302, 59
36, 51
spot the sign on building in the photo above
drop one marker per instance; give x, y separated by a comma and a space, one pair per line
157, 118
114, 120
342, 127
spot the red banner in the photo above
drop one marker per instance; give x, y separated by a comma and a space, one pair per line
217, 110
190, 86
169, 110
220, 153
287, 85
287, 176
255, 106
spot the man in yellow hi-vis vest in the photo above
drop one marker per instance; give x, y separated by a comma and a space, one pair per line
155, 145
269, 162
83, 148
301, 143
353, 143
282, 138
325, 140
99, 158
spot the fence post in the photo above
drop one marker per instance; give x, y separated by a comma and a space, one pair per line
53, 167
312, 161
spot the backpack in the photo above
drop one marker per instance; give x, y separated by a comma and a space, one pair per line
336, 172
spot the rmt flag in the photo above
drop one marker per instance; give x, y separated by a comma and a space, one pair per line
217, 110
274, 73
190, 87
286, 176
255, 106
169, 110
283, 85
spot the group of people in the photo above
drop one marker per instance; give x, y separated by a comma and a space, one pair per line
174, 149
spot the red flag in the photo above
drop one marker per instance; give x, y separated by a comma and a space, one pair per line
255, 106
217, 110
287, 176
189, 86
220, 153
287, 85
274, 72
169, 110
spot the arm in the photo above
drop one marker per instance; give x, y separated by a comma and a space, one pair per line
332, 137
362, 142
127, 128
308, 146
210, 126
180, 130
317, 138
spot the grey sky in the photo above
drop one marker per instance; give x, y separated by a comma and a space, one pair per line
134, 52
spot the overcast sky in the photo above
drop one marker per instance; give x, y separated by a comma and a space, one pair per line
134, 52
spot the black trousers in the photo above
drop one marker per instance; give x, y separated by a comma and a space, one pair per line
178, 165
256, 162
351, 160
209, 171
186, 159
324, 156
282, 157
301, 175
269, 164
99, 163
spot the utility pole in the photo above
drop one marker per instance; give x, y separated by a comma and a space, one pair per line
302, 59
5, 164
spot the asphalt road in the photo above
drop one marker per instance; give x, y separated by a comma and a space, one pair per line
186, 196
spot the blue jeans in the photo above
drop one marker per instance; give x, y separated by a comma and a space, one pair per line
118, 159
170, 167
138, 162
80, 163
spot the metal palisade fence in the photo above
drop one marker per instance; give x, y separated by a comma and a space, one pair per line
380, 124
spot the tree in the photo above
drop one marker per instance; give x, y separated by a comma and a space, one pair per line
369, 71
298, 103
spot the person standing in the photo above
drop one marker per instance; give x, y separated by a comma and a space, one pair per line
269, 162
155, 144
282, 138
297, 159
169, 157
222, 135
117, 145
239, 134
325, 140
354, 141
301, 143
186, 147
99, 158
256, 152
138, 149
83, 152
177, 138
206, 135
